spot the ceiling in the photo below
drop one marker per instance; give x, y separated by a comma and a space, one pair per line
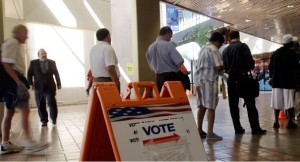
268, 19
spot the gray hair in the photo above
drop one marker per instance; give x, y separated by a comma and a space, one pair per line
18, 28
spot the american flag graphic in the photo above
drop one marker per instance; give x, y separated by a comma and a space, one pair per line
129, 113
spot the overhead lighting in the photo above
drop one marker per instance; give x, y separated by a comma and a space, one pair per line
290, 6
225, 24
266, 27
247, 20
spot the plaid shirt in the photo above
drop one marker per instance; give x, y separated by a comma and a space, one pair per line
208, 58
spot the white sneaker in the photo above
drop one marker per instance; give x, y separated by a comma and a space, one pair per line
34, 146
10, 148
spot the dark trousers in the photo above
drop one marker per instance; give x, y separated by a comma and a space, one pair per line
235, 111
161, 78
105, 79
40, 98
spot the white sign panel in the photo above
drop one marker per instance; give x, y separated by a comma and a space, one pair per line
156, 133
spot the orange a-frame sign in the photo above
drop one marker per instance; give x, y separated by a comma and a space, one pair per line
148, 126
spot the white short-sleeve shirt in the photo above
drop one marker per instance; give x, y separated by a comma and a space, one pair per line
11, 53
101, 56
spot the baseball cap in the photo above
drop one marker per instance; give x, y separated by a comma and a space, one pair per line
287, 38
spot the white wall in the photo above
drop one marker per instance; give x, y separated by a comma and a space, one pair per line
69, 48
68, 45
122, 38
38, 11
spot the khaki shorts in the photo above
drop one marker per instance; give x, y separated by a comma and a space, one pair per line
22, 103
12, 102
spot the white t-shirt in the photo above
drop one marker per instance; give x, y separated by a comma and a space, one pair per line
101, 56
11, 53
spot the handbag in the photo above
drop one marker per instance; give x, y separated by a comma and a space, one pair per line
247, 86
223, 89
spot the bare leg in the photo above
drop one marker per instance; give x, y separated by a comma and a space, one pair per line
6, 123
200, 116
25, 122
211, 120
30, 146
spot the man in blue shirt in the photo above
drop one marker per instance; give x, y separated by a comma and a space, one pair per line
164, 59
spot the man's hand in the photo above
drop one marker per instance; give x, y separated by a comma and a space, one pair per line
88, 91
58, 87
271, 82
219, 68
184, 70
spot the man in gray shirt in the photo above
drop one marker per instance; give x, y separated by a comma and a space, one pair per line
164, 59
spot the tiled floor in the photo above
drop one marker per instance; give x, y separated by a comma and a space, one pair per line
65, 139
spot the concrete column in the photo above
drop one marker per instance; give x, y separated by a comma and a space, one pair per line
148, 26
1, 41
135, 25
1, 22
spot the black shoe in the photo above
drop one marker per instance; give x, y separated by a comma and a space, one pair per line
291, 125
259, 132
276, 125
240, 131
44, 124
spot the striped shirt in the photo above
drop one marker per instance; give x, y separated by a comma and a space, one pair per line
208, 58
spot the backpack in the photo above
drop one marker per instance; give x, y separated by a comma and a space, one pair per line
3, 74
2, 70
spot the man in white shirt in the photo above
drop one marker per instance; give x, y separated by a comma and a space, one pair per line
103, 59
15, 92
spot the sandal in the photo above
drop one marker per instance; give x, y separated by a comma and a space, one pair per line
214, 137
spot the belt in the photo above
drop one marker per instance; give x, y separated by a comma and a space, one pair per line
167, 73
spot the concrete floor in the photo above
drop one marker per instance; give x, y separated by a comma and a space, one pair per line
65, 139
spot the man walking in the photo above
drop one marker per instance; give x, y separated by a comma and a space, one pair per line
14, 92
40, 77
238, 62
